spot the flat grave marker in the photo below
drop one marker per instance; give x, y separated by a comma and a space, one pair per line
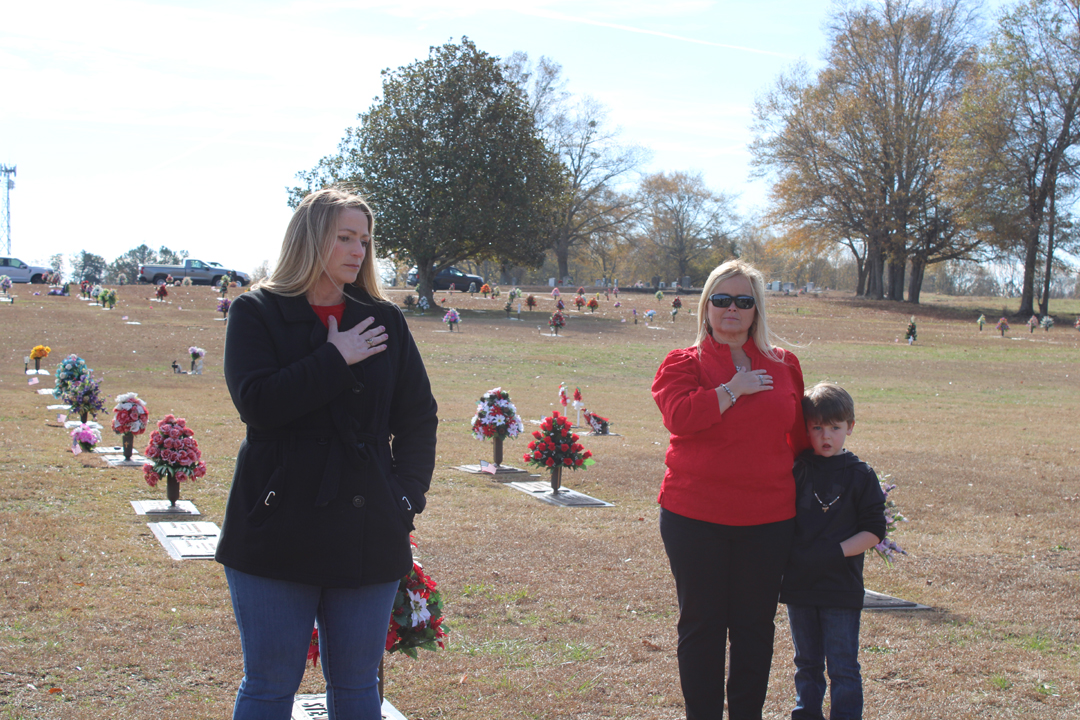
499, 473
187, 540
313, 707
541, 490
162, 507
880, 601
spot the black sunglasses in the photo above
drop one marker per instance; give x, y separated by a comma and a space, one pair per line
743, 302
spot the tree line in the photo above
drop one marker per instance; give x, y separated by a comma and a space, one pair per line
94, 268
922, 143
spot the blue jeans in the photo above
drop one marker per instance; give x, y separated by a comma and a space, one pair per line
826, 637
276, 617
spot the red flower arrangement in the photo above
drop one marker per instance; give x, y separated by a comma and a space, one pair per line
677, 302
129, 415
556, 321
579, 301
556, 445
531, 302
593, 304
174, 453
415, 622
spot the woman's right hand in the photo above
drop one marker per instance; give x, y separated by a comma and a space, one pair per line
750, 382
357, 343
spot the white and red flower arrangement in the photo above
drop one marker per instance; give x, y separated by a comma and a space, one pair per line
556, 445
579, 403
563, 397
579, 301
174, 453
556, 321
84, 438
130, 415
496, 416
600, 425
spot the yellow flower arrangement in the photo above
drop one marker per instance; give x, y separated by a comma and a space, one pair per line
40, 351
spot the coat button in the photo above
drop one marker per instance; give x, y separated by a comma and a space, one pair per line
357, 390
358, 501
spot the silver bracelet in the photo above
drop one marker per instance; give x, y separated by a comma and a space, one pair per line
730, 394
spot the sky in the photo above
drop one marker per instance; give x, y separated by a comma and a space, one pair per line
183, 123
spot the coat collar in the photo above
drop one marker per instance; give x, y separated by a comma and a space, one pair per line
297, 309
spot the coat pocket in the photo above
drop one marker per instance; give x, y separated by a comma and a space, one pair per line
268, 501
404, 505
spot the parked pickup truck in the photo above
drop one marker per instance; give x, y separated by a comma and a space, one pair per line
20, 272
201, 273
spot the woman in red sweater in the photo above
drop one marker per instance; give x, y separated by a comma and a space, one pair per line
732, 403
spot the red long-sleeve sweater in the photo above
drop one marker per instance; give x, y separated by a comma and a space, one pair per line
732, 468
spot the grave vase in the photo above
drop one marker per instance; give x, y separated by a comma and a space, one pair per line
556, 478
128, 441
37, 364
83, 415
498, 450
172, 489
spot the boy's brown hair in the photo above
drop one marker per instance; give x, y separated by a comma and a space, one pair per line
827, 403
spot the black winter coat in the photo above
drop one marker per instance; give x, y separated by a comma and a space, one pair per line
817, 573
337, 458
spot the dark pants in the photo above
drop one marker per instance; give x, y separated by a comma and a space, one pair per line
728, 580
826, 636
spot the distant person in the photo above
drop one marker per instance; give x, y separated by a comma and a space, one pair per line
338, 456
840, 514
732, 403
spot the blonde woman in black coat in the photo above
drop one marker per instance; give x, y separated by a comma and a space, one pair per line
339, 453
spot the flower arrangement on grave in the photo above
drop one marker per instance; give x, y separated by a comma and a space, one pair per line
559, 305
423, 304
677, 302
556, 321
95, 293
659, 295
70, 370
169, 279
417, 618
579, 302
911, 333
564, 399
174, 456
1046, 323
485, 289
161, 293
593, 304
121, 279
452, 288
515, 293
634, 311
223, 285
472, 288
496, 418
555, 447
495, 291
410, 300
1002, 326
84, 396
223, 305
555, 293
509, 305
84, 438
600, 425
530, 302
186, 282
84, 288
649, 315
1032, 323
981, 321
618, 304
197, 355
107, 298
887, 548
5, 283
581, 291
578, 404
451, 318
130, 418
39, 353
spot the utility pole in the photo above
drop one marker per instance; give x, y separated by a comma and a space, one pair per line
8, 172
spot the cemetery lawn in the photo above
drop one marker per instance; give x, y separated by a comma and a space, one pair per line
556, 612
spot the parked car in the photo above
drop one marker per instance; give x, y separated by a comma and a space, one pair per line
20, 272
201, 273
445, 277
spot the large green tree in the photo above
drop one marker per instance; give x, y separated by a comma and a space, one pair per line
87, 266
452, 162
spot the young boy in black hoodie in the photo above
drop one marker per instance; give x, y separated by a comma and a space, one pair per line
840, 514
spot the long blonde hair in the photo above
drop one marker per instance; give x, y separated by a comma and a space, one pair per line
308, 239
759, 330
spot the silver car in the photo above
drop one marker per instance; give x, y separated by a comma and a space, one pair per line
20, 272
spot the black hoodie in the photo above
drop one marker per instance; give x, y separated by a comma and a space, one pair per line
818, 573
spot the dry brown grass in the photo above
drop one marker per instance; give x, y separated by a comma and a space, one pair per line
555, 612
